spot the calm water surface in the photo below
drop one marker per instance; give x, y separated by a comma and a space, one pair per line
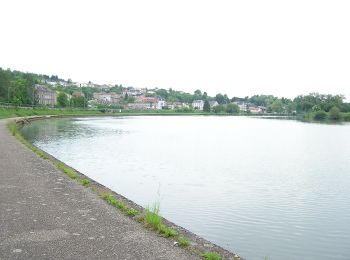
258, 187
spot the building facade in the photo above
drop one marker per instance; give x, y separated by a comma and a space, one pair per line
45, 96
198, 104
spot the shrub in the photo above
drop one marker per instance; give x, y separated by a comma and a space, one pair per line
334, 113
320, 115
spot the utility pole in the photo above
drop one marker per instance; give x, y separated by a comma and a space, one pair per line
33, 98
8, 96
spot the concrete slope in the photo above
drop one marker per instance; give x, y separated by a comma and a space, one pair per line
45, 215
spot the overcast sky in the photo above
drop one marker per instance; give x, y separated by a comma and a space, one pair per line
241, 48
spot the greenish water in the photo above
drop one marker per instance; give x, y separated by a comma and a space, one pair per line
259, 187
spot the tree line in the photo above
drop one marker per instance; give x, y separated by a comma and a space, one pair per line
18, 88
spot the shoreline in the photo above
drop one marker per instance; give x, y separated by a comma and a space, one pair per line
198, 245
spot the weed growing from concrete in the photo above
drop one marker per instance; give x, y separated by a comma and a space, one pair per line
68, 171
153, 220
167, 231
212, 256
110, 199
85, 182
183, 242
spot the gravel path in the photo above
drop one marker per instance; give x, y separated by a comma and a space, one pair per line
45, 215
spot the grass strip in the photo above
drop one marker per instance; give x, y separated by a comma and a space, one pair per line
153, 220
67, 170
212, 256
110, 199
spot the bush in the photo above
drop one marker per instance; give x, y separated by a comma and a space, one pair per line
346, 116
232, 108
320, 115
334, 113
219, 109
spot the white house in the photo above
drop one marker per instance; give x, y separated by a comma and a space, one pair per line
161, 104
243, 107
213, 103
198, 104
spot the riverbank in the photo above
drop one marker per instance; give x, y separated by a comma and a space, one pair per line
57, 204
11, 112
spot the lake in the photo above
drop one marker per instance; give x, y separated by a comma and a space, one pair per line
258, 187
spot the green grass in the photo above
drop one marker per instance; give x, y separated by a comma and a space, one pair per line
68, 171
85, 182
212, 256
23, 112
167, 231
110, 199
153, 220
183, 242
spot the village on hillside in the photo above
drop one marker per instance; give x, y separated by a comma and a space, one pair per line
130, 98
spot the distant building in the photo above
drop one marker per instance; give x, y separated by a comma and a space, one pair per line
78, 94
198, 104
150, 102
243, 107
256, 109
130, 91
213, 103
161, 104
175, 105
45, 96
144, 103
106, 98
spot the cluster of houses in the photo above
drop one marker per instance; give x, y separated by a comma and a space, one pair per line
243, 106
69, 82
143, 102
48, 97
249, 107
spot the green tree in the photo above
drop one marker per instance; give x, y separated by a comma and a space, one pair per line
220, 98
130, 99
334, 113
126, 96
219, 109
277, 106
320, 115
205, 95
198, 92
291, 107
232, 108
206, 106
78, 101
62, 99
162, 93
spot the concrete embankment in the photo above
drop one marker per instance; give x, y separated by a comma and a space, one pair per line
46, 215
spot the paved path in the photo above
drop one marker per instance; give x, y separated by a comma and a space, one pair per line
45, 215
